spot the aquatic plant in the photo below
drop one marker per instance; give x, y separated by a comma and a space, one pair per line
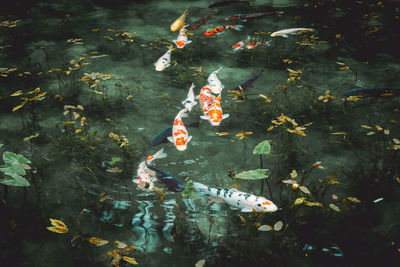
14, 168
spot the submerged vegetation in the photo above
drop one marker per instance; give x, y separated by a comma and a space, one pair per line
313, 127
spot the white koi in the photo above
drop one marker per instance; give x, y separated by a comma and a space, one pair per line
182, 39
215, 115
180, 137
285, 32
190, 101
164, 61
244, 201
144, 179
215, 84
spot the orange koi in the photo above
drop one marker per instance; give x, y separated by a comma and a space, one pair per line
215, 115
206, 99
144, 179
221, 29
180, 137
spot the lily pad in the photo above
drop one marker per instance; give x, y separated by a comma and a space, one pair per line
253, 174
11, 169
11, 158
263, 148
14, 180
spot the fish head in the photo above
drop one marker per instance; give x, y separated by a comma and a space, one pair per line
266, 205
181, 143
180, 43
215, 117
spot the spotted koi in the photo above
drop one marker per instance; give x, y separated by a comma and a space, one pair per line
144, 179
180, 137
206, 99
221, 29
215, 115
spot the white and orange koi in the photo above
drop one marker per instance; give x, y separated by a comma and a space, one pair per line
215, 115
182, 39
190, 101
215, 84
164, 61
144, 179
206, 99
180, 137
239, 45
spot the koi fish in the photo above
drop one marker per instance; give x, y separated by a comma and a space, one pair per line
220, 29
215, 84
285, 32
244, 86
372, 92
161, 137
144, 179
206, 99
244, 201
180, 136
245, 17
190, 101
179, 23
254, 44
182, 39
164, 61
239, 45
170, 181
225, 3
202, 21
215, 115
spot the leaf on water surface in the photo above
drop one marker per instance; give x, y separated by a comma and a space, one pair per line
57, 223
370, 133
12, 169
299, 201
334, 207
313, 204
114, 170
129, 259
18, 107
98, 241
200, 263
58, 230
304, 189
128, 249
263, 148
253, 174
278, 225
265, 228
222, 133
293, 174
17, 93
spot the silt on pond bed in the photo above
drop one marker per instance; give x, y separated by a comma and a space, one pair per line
83, 105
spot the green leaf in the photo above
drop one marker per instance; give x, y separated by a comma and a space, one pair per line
253, 174
114, 160
1, 145
263, 148
10, 158
11, 169
189, 190
14, 180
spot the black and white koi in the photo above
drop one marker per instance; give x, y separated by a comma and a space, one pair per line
190, 101
215, 84
244, 201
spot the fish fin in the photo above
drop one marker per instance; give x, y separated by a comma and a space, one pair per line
204, 117
160, 154
225, 116
189, 138
238, 27
188, 42
170, 139
285, 35
199, 187
246, 210
182, 113
136, 181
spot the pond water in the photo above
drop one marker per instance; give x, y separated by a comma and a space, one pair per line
81, 100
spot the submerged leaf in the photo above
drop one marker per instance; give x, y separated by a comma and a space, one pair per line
304, 189
354, 199
243, 220
200, 263
98, 241
278, 225
334, 207
253, 174
58, 230
129, 259
263, 148
265, 228
57, 223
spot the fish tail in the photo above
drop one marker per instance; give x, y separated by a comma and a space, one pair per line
182, 113
159, 155
186, 12
238, 27
199, 187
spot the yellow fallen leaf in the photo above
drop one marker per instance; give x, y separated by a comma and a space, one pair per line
270, 128
58, 230
370, 133
265, 228
18, 107
366, 127
200, 263
299, 201
293, 174
354, 199
313, 204
334, 207
304, 189
128, 249
337, 133
243, 220
57, 223
17, 93
222, 133
120, 244
68, 122
98, 241
129, 259
278, 226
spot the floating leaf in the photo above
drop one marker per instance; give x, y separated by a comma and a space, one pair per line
200, 263
129, 259
14, 180
265, 228
98, 241
299, 201
58, 230
293, 174
128, 249
57, 223
334, 207
243, 220
304, 189
312, 204
253, 174
278, 225
1, 145
120, 244
263, 148
11, 158
378, 200
30, 137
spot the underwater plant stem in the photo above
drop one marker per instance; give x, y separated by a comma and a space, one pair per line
5, 193
262, 181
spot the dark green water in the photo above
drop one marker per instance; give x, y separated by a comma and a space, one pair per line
72, 174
